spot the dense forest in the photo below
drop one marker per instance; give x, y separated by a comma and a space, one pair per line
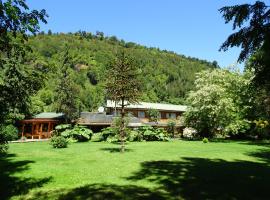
165, 76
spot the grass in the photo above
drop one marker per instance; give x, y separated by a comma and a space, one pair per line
147, 170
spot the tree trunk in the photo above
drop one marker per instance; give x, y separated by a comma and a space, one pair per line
122, 126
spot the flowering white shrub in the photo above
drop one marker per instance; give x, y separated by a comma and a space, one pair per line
189, 133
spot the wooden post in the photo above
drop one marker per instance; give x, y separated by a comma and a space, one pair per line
22, 130
40, 131
33, 126
49, 130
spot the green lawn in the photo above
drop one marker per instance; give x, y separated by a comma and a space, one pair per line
147, 170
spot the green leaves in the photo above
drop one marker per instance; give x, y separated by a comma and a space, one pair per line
220, 103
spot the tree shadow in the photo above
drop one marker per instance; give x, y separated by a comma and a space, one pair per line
263, 155
102, 192
115, 149
11, 185
257, 143
199, 178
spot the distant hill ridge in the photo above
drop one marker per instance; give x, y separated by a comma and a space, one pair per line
166, 76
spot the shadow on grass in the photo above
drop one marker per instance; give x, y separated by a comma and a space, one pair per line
263, 155
198, 178
115, 149
189, 178
11, 185
101, 192
257, 143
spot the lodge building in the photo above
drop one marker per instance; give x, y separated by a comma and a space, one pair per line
42, 125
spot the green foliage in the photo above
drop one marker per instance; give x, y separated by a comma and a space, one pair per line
10, 132
59, 142
62, 127
97, 137
262, 129
17, 22
79, 133
109, 132
161, 72
134, 135
252, 23
150, 133
66, 92
7, 133
171, 127
123, 86
17, 81
153, 114
220, 103
122, 79
205, 140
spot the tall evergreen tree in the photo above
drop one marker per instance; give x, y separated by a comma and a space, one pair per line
123, 86
66, 92
252, 23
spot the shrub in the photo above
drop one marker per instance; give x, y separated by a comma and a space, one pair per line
262, 128
59, 142
79, 133
10, 132
7, 133
153, 134
109, 131
97, 137
189, 133
112, 139
134, 136
62, 127
171, 127
205, 140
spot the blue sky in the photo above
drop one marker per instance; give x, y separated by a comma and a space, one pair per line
190, 27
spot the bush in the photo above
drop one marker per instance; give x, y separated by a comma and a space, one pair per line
205, 140
134, 136
109, 132
112, 139
9, 132
97, 137
59, 142
79, 133
62, 127
189, 133
262, 129
153, 134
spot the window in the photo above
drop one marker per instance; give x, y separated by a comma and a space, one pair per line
141, 114
170, 115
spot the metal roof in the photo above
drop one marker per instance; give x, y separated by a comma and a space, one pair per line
49, 115
147, 106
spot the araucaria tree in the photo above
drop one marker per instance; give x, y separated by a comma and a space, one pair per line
123, 86
220, 103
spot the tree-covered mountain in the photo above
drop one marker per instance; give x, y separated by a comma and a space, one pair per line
165, 76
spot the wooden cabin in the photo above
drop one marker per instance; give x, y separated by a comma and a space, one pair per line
40, 126
138, 115
166, 111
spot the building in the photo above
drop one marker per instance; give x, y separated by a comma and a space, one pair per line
138, 115
40, 126
140, 110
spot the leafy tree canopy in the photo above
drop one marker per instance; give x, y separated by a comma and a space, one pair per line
220, 103
252, 23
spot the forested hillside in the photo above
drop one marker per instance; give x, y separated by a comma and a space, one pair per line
166, 76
